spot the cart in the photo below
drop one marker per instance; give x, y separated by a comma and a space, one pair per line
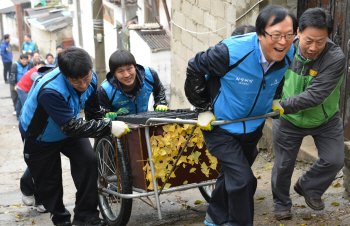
119, 174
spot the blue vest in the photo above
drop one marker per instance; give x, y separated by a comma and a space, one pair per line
140, 104
28, 46
245, 91
21, 70
33, 121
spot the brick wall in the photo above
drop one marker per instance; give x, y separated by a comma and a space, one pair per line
204, 16
197, 16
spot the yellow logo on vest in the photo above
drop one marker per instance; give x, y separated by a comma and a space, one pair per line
313, 73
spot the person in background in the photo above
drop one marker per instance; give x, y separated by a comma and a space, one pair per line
246, 80
59, 49
129, 85
25, 83
35, 59
49, 59
18, 69
6, 56
243, 29
310, 102
28, 45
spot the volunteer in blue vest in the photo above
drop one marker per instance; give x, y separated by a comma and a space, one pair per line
28, 45
18, 69
128, 87
246, 79
6, 56
50, 125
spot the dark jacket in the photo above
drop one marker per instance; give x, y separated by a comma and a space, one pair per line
311, 92
6, 52
158, 90
17, 71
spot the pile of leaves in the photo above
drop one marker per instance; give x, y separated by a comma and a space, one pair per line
165, 150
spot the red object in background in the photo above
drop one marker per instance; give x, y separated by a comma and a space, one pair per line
67, 42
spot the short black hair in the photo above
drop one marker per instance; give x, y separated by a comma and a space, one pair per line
279, 13
59, 46
39, 62
121, 58
317, 18
243, 29
28, 35
35, 51
47, 55
6, 36
74, 63
24, 55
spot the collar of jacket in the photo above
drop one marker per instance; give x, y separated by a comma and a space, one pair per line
276, 66
140, 77
329, 45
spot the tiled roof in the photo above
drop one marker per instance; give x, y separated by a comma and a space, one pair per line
157, 40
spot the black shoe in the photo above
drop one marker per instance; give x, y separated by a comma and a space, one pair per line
68, 223
315, 204
94, 221
7, 82
283, 214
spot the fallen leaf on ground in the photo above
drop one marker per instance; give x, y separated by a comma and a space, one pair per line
197, 202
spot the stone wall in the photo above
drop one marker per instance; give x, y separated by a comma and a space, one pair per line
196, 16
205, 16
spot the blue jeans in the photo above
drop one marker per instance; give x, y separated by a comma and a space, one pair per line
27, 186
22, 97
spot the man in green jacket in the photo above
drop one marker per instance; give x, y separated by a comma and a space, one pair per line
310, 100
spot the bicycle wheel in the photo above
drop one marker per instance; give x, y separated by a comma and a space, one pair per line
206, 191
115, 210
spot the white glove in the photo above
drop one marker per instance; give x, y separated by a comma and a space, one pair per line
204, 120
119, 128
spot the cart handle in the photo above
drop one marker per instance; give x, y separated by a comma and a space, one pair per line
213, 123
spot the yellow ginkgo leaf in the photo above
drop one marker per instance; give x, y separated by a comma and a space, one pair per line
172, 128
192, 170
185, 182
197, 202
196, 156
167, 185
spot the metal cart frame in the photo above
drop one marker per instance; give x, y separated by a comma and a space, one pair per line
157, 192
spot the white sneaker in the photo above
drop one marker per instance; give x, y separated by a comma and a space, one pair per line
14, 113
28, 200
41, 209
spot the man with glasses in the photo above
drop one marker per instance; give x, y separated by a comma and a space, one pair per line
246, 74
50, 125
310, 101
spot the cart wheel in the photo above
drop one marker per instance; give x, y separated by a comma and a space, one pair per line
115, 210
206, 191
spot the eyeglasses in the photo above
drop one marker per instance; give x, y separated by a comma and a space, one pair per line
85, 81
277, 37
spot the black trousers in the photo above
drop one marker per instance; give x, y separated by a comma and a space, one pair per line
44, 163
7, 70
232, 200
14, 95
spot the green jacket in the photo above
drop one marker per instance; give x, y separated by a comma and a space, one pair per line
311, 90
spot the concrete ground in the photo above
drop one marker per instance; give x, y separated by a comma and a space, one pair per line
178, 208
